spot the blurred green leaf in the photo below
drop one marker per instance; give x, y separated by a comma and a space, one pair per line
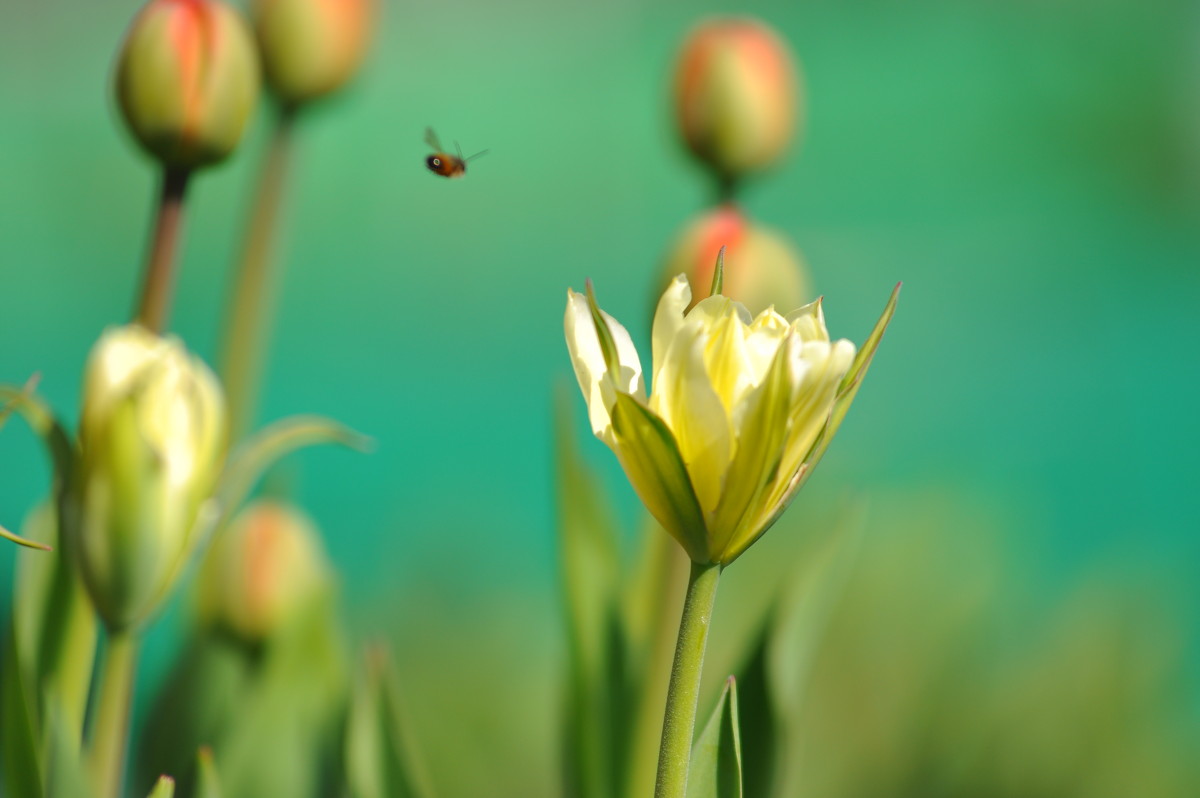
379, 758
20, 747
716, 767
265, 448
596, 700
208, 785
757, 721
163, 788
66, 775
45, 425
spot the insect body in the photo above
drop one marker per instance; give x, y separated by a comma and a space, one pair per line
443, 163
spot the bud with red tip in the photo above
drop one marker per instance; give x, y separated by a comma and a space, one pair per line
737, 94
310, 48
187, 80
761, 267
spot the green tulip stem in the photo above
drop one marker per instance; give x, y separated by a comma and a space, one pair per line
679, 721
248, 307
110, 728
155, 303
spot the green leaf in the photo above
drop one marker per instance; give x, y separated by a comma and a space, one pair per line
597, 690
20, 746
716, 767
379, 756
266, 447
651, 459
208, 785
163, 788
757, 720
45, 425
67, 777
718, 280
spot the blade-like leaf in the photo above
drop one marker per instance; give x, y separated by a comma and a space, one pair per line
66, 775
380, 760
652, 461
163, 788
20, 541
847, 390
20, 740
716, 767
208, 785
757, 721
248, 463
596, 684
42, 421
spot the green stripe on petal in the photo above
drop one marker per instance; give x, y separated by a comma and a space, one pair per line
756, 463
650, 456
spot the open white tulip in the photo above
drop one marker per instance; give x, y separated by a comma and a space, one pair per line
740, 409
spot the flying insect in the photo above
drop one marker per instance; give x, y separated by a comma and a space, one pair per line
443, 163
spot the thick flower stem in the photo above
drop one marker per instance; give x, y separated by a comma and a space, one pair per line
155, 302
249, 305
679, 722
110, 728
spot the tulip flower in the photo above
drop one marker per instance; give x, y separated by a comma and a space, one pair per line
310, 47
737, 403
769, 269
187, 80
736, 95
740, 410
152, 441
262, 570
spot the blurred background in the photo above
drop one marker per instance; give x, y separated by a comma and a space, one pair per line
1022, 456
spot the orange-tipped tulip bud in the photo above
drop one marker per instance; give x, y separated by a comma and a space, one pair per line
761, 267
187, 80
267, 566
310, 47
736, 95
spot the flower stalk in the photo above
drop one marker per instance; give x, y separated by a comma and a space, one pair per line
683, 693
110, 730
155, 303
249, 304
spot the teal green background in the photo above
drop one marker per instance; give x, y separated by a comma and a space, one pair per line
1031, 171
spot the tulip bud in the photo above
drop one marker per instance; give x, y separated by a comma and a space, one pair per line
152, 441
262, 570
761, 268
310, 47
736, 95
187, 80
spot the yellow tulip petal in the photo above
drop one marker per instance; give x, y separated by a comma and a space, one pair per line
760, 449
809, 322
668, 318
685, 399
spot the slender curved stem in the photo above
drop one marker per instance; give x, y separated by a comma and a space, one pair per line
155, 303
110, 729
679, 721
248, 308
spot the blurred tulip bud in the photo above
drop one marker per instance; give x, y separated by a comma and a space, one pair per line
152, 441
187, 80
310, 47
762, 268
262, 570
736, 95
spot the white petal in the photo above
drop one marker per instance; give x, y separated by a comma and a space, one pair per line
668, 318
597, 384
